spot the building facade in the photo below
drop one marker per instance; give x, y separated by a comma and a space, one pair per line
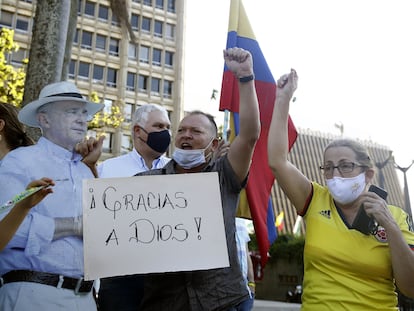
107, 61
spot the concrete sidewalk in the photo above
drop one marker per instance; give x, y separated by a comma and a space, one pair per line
267, 305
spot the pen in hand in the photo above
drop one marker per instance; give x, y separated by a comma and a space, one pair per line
25, 194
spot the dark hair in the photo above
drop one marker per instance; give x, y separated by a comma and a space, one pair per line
209, 117
362, 155
13, 131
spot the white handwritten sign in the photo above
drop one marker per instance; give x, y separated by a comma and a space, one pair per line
149, 224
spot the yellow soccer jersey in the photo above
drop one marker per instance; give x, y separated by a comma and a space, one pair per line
345, 269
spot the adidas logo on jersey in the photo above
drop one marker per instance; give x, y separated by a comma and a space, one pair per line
326, 213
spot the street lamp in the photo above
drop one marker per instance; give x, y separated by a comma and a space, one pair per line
380, 166
406, 193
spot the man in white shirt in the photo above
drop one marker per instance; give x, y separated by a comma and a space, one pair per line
151, 137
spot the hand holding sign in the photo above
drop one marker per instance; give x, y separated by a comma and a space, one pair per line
153, 224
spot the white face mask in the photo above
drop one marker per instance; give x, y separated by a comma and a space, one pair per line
190, 158
346, 190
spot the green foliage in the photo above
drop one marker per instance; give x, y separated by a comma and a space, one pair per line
103, 119
11, 80
286, 246
12, 84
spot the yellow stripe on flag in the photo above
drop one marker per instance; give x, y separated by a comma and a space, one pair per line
238, 13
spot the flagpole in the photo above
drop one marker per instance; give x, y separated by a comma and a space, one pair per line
226, 124
296, 227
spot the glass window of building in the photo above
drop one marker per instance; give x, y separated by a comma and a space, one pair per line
131, 81
126, 143
6, 19
167, 88
76, 36
114, 46
159, 4
169, 58
22, 23
143, 83
169, 31
98, 73
146, 24
132, 51
144, 54
103, 12
156, 57
111, 77
100, 44
128, 112
107, 143
72, 65
135, 21
18, 56
171, 6
89, 8
108, 105
158, 28
147, 2
155, 86
83, 71
115, 20
86, 40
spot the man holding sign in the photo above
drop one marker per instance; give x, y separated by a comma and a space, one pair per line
150, 133
195, 142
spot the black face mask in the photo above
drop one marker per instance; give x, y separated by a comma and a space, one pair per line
158, 141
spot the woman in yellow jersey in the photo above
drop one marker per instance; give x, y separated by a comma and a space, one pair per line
344, 268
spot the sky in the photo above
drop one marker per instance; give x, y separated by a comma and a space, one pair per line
354, 59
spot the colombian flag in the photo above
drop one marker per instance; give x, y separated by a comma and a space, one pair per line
256, 202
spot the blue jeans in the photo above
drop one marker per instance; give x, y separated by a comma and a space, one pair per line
246, 305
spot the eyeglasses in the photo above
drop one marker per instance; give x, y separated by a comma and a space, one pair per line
343, 168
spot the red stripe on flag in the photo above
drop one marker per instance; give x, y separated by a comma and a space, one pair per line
261, 178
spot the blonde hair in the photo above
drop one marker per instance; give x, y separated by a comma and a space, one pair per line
362, 155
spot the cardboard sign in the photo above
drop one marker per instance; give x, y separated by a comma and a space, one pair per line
147, 224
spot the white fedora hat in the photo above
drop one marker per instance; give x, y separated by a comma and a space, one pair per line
55, 92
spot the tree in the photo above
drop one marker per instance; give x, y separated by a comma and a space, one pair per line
11, 79
53, 29
104, 119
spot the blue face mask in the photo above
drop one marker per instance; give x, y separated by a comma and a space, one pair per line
190, 158
158, 141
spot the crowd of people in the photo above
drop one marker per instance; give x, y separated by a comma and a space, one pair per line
41, 245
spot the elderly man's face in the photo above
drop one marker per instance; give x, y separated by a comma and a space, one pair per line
66, 123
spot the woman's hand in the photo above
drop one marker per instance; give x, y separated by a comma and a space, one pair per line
38, 196
287, 85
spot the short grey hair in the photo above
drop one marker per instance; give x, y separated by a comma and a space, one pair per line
141, 114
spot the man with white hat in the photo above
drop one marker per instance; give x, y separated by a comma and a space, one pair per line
42, 266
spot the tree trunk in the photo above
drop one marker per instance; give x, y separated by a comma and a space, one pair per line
47, 50
73, 18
